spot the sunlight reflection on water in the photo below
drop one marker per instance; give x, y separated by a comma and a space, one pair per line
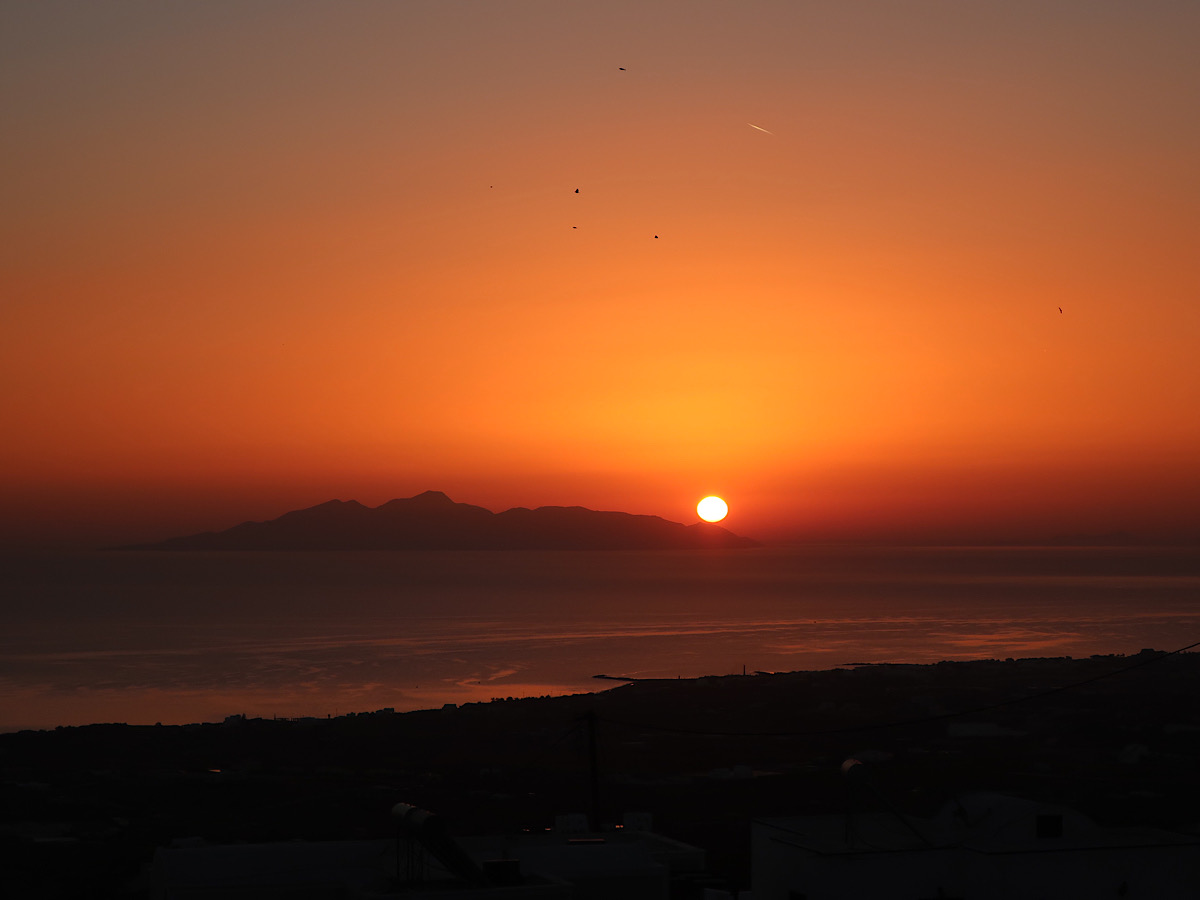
194, 637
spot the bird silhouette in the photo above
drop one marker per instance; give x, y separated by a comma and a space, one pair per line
1060, 310
577, 190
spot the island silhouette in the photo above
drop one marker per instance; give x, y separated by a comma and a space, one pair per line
432, 521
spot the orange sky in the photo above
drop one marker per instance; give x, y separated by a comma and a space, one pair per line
257, 256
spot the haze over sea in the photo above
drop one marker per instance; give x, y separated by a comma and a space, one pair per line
144, 637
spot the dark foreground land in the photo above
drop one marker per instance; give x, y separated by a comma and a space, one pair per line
1118, 738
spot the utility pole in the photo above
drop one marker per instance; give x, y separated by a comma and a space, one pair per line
594, 764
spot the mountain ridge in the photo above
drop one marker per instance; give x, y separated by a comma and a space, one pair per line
432, 521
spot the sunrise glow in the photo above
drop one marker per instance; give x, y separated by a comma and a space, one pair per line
417, 265
363, 364
712, 509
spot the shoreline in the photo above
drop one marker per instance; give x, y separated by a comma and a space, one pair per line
1119, 662
1114, 737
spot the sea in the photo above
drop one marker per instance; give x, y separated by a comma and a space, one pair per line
176, 638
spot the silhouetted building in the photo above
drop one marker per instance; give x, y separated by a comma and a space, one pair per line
553, 865
982, 847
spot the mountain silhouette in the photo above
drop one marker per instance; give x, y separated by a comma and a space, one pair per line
432, 521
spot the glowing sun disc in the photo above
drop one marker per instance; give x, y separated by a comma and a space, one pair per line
712, 509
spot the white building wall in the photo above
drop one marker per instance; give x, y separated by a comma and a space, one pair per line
988, 849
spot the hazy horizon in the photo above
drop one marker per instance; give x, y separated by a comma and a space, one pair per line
105, 536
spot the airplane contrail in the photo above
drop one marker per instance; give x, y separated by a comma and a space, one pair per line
752, 125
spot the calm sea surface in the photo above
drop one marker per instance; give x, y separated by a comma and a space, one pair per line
189, 637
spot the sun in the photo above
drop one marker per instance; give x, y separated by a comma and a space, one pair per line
712, 509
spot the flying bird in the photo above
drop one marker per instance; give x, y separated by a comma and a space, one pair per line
577, 190
1060, 310
622, 68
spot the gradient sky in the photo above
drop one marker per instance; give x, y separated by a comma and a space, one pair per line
259, 255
